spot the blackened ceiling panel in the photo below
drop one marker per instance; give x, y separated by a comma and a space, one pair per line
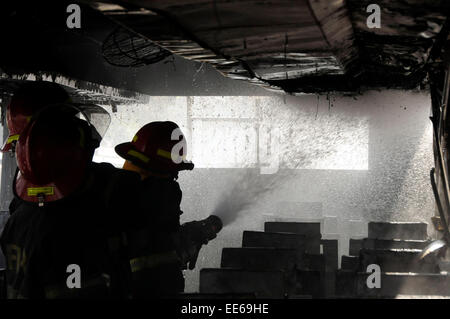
403, 42
253, 40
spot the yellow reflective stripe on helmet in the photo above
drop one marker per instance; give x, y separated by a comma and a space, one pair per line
141, 156
144, 158
167, 155
164, 153
12, 138
34, 191
151, 261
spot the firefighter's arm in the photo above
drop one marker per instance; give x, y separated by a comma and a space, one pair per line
188, 244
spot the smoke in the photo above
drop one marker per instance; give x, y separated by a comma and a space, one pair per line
247, 193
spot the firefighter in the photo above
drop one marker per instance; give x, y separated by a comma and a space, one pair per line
64, 238
29, 98
162, 248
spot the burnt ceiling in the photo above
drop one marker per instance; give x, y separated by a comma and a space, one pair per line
296, 46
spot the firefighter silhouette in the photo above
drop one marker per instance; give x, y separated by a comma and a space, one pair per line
162, 248
66, 209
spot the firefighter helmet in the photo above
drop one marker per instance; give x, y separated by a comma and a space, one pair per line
29, 98
157, 146
53, 153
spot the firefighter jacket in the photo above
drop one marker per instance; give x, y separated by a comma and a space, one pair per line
155, 265
73, 247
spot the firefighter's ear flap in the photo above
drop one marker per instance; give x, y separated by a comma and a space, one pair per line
96, 137
87, 137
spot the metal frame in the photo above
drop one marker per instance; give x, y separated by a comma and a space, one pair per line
439, 139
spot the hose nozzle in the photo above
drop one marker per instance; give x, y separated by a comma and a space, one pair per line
214, 222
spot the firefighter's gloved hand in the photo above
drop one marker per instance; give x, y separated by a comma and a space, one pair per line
189, 241
193, 256
188, 253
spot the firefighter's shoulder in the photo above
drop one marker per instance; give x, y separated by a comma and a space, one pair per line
118, 189
107, 169
111, 179
20, 212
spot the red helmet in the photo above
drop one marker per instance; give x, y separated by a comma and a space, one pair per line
52, 153
157, 146
27, 100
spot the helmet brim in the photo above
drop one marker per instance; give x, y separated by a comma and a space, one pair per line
28, 191
123, 150
7, 146
97, 116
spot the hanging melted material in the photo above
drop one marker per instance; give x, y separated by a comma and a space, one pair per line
126, 49
296, 46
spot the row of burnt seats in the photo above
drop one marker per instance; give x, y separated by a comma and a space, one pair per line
291, 260
286, 260
395, 248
